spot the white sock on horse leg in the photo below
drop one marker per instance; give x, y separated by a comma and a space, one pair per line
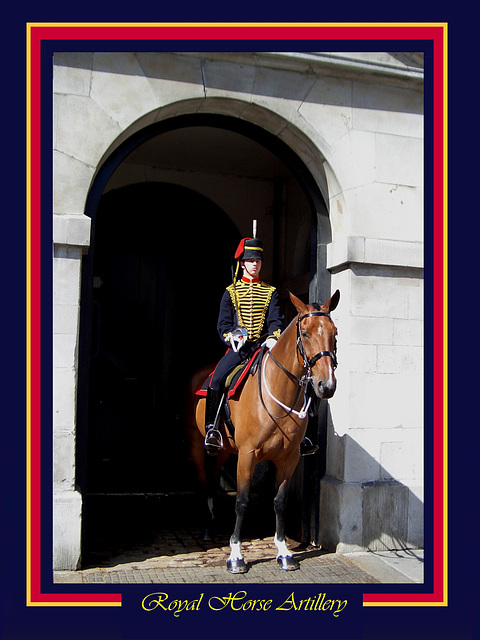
236, 551
282, 548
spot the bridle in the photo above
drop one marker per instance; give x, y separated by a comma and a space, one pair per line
308, 364
305, 380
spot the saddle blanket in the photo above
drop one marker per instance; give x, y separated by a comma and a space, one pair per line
235, 378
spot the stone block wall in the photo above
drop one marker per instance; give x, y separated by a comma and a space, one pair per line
375, 469
70, 240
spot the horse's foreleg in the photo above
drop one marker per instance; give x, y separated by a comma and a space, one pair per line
235, 562
285, 559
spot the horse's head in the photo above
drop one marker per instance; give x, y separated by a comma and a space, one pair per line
316, 343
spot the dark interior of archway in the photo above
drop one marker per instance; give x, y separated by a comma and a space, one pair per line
162, 256
161, 262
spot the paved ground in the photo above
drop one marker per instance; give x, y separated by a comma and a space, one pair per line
158, 546
204, 566
209, 567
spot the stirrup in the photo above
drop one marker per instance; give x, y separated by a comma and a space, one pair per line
307, 448
213, 440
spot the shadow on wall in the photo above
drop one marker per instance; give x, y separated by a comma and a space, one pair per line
376, 515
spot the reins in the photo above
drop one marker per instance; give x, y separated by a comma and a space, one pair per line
302, 382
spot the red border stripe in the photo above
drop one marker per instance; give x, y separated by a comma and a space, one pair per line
239, 32
421, 31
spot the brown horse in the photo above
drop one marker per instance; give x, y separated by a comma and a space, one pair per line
270, 416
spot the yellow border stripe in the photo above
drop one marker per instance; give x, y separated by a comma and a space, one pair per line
445, 315
29, 27
235, 24
75, 603
28, 318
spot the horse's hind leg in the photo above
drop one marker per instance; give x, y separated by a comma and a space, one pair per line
236, 563
207, 469
212, 483
208, 492
285, 559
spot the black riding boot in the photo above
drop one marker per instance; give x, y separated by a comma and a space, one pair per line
213, 437
307, 447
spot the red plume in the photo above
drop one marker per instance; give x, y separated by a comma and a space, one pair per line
241, 248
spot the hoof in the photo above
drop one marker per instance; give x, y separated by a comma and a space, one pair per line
237, 566
288, 563
208, 536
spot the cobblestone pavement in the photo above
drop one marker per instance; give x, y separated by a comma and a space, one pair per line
206, 566
182, 557
159, 546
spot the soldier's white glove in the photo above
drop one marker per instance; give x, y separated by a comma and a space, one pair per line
237, 338
269, 343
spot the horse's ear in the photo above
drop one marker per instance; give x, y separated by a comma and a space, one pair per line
333, 302
297, 303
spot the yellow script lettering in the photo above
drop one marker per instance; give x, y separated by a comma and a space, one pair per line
288, 604
150, 602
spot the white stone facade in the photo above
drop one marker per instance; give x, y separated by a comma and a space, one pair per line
356, 122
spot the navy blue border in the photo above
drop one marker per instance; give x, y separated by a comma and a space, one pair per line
136, 620
25, 623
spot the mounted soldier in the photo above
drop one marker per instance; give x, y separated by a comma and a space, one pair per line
249, 316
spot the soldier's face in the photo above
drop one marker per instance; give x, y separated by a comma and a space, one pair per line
251, 268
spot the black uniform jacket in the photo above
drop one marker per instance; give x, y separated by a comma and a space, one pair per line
253, 305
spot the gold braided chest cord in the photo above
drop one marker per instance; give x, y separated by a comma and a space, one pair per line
253, 299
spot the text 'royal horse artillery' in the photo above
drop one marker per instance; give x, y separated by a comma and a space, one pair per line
270, 416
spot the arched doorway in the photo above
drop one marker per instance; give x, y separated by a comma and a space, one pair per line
150, 298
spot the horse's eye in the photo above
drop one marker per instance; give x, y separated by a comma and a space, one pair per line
304, 334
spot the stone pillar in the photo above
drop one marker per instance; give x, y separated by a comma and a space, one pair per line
71, 235
371, 496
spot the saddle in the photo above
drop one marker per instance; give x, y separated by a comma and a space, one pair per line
235, 379
233, 385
